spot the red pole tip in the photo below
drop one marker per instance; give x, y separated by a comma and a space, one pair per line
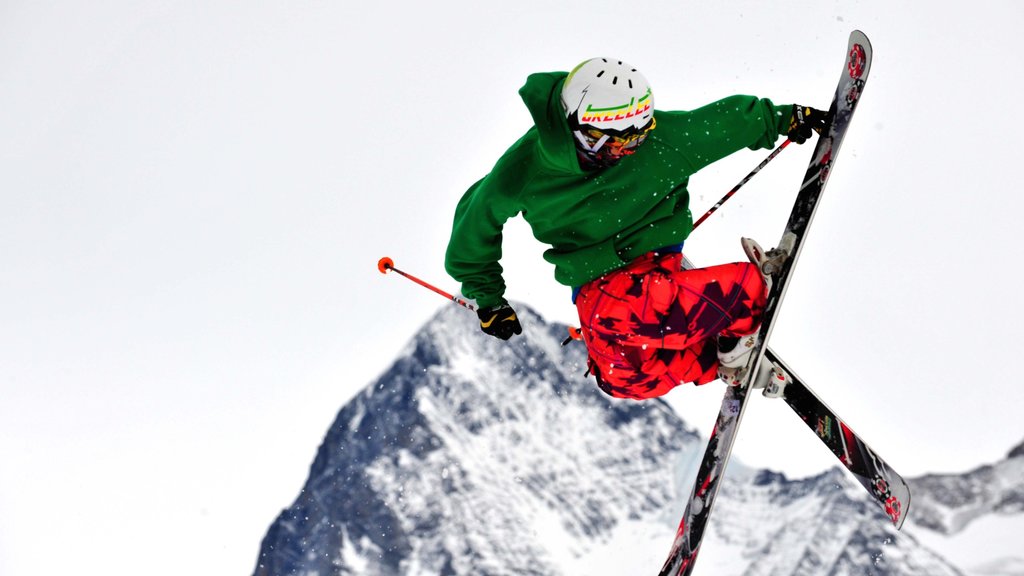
385, 264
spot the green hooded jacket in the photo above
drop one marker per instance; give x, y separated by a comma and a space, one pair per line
596, 221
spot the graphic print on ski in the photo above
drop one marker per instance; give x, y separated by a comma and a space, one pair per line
683, 555
887, 487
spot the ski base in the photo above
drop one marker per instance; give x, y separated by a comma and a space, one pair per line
885, 485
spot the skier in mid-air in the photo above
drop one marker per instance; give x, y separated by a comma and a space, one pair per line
601, 177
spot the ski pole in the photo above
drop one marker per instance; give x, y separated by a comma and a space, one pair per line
386, 264
742, 182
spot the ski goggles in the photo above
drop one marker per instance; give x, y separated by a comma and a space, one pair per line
593, 140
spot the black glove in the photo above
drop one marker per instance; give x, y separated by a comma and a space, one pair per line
499, 321
803, 121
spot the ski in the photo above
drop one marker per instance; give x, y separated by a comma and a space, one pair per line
884, 484
683, 555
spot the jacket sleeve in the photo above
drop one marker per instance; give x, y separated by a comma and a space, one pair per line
732, 124
475, 245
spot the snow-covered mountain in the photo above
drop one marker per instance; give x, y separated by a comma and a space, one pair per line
975, 518
475, 456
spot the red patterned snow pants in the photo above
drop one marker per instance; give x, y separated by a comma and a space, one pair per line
650, 326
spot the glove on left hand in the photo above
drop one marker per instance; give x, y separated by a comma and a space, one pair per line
804, 122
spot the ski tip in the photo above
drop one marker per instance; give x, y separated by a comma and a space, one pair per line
859, 37
385, 264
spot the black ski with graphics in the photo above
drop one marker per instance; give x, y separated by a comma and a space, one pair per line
884, 484
781, 262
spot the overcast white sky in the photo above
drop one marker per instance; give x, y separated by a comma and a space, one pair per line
194, 195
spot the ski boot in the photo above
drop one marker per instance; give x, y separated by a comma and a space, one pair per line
733, 354
769, 263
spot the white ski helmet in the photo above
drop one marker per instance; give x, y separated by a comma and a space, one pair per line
608, 95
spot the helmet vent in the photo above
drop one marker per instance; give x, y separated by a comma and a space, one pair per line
592, 90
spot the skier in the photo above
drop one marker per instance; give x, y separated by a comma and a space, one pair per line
602, 178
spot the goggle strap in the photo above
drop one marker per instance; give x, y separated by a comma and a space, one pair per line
586, 144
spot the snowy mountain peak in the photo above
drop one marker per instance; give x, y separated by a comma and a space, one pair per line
975, 517
954, 501
1017, 452
470, 455
476, 456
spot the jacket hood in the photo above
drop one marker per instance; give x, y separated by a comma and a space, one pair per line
542, 96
